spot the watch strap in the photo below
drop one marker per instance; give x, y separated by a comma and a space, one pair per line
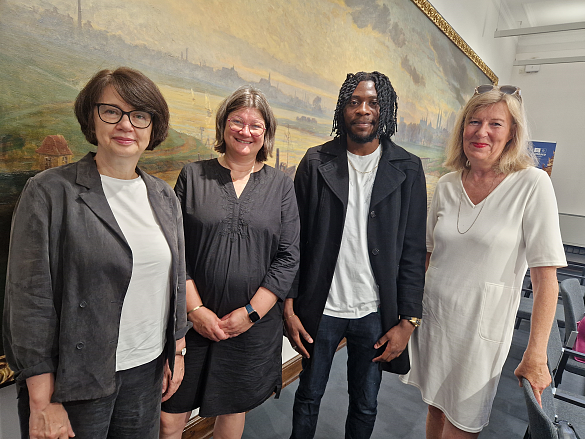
252, 314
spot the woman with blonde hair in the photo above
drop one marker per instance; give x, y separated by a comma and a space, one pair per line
490, 219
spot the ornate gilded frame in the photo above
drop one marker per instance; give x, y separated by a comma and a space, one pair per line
6, 375
446, 28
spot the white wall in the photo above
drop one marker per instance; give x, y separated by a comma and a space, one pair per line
476, 21
555, 103
554, 100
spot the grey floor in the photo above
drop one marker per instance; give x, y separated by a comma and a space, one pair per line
401, 412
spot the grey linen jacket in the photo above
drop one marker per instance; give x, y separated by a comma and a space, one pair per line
68, 271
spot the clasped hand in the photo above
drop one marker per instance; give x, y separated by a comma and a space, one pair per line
206, 323
235, 323
210, 326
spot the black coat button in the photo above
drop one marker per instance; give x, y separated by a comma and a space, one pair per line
82, 304
373, 214
375, 251
80, 345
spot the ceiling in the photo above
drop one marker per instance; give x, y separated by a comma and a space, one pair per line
545, 12
548, 31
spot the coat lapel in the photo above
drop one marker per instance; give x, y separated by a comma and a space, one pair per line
335, 172
94, 197
388, 177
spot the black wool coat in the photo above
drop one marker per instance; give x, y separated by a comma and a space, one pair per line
396, 233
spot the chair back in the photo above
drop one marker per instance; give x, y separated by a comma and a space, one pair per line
540, 419
572, 294
554, 348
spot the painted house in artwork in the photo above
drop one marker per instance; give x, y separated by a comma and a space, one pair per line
53, 152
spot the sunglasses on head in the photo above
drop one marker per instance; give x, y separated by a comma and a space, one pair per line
506, 89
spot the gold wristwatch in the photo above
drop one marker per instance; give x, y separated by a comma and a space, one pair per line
414, 320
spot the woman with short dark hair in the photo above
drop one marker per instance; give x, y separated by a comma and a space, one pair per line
94, 316
242, 252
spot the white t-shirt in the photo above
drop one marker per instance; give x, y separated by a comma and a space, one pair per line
146, 304
354, 292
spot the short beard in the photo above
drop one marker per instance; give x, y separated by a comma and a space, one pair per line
362, 139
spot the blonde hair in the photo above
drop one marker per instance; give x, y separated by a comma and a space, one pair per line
517, 153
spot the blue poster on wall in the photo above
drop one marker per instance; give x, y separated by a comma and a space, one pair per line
545, 153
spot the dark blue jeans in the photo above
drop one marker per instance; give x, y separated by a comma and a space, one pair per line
363, 376
131, 412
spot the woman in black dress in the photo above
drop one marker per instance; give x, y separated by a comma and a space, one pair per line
241, 235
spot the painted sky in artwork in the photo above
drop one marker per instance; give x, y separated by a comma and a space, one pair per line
304, 45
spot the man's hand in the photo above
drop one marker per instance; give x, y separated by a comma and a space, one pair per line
295, 330
236, 322
50, 422
206, 323
396, 340
536, 371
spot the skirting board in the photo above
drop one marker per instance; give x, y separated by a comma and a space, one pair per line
202, 428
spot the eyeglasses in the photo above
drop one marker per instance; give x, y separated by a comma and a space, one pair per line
256, 129
112, 115
506, 89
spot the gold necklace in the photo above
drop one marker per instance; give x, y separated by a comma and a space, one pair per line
484, 202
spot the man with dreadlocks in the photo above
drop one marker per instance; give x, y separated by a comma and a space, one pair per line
362, 203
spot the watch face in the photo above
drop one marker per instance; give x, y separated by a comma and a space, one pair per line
415, 321
252, 314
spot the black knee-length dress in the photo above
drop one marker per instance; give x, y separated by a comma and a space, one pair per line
234, 246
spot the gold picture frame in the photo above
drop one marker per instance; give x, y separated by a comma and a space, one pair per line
6, 375
433, 15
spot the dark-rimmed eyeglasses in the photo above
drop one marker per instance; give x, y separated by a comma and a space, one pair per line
112, 114
506, 89
256, 129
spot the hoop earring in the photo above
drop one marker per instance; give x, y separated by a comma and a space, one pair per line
467, 164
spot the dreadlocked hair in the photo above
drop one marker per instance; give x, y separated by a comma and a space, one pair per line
387, 101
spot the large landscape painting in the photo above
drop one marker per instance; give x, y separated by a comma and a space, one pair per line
296, 52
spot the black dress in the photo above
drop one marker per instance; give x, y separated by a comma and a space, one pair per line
234, 246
